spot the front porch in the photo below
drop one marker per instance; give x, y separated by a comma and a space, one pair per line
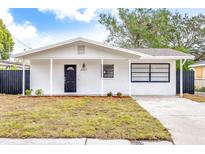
52, 76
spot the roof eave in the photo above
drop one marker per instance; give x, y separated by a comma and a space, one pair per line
169, 57
197, 65
20, 55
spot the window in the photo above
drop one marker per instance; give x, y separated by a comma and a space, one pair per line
150, 72
108, 71
81, 49
198, 72
140, 72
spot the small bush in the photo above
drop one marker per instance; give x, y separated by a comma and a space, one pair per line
13, 67
28, 92
109, 94
202, 89
39, 92
119, 94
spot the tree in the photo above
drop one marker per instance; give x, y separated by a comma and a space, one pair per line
188, 35
6, 41
156, 28
137, 27
187, 32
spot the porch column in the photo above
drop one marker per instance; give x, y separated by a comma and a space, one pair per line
102, 78
51, 76
129, 77
181, 78
23, 78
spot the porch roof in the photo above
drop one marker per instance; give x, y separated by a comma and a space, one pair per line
143, 53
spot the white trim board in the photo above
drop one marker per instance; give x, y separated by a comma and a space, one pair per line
99, 44
79, 39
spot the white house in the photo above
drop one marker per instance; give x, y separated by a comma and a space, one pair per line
85, 67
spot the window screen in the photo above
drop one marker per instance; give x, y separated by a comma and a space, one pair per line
108, 71
150, 72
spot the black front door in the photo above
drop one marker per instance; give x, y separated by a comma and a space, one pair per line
70, 78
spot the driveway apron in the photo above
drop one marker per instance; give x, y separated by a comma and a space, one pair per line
185, 119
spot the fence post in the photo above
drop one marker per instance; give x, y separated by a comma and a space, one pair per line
102, 79
181, 78
23, 78
51, 76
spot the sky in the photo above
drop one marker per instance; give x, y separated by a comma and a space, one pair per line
40, 27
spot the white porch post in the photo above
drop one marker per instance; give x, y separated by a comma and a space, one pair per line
102, 88
23, 78
181, 78
51, 76
129, 77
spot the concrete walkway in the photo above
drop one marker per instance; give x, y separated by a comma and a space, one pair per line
73, 141
185, 119
76, 141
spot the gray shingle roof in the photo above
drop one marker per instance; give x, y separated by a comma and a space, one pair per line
160, 52
200, 63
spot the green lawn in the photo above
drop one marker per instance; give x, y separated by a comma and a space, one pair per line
71, 117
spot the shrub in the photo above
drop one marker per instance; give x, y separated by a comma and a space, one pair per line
202, 89
28, 92
39, 92
13, 67
109, 94
2, 68
119, 94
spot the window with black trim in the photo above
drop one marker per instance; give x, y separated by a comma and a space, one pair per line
108, 71
150, 72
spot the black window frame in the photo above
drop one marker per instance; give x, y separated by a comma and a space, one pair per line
150, 72
113, 71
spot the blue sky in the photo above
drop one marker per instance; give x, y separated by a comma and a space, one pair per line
38, 27
47, 22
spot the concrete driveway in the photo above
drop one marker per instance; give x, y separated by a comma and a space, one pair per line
185, 119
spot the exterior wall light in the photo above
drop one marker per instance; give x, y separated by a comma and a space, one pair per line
83, 67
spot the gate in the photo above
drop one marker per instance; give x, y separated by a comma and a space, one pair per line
188, 82
11, 81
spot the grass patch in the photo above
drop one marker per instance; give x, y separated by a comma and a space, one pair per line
197, 98
70, 117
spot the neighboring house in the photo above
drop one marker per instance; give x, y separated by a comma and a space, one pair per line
4, 64
85, 67
199, 69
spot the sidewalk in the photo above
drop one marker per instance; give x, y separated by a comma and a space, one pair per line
77, 141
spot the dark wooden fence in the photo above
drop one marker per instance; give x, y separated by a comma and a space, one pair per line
11, 81
188, 82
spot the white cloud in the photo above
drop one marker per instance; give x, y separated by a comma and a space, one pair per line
7, 18
97, 32
29, 34
75, 14
21, 31
25, 32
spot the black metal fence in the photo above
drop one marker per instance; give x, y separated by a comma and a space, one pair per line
188, 82
11, 81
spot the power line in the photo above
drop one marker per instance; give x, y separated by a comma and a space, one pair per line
22, 43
